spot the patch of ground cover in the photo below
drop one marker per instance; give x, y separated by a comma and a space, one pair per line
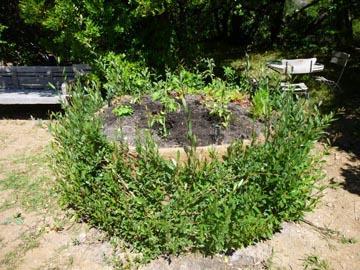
207, 128
254, 64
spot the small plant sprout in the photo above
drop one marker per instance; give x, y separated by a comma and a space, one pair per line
219, 105
314, 262
159, 118
261, 103
123, 110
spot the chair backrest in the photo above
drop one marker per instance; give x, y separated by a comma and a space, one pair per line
299, 66
341, 59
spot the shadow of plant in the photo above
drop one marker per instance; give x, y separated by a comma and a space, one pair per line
352, 178
24, 112
344, 132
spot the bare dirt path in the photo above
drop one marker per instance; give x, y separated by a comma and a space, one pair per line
36, 234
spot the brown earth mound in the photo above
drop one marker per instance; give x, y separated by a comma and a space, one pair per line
206, 127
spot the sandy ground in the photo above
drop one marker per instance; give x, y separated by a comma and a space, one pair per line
46, 238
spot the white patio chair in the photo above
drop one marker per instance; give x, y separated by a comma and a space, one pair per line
339, 59
299, 66
294, 67
297, 88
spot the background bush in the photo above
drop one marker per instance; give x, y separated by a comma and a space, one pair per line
161, 207
167, 33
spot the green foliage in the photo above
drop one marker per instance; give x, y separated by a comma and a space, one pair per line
172, 32
165, 207
218, 104
123, 77
19, 42
123, 110
356, 29
313, 262
331, 19
159, 118
2, 29
80, 27
261, 102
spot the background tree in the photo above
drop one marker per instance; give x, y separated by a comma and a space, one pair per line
166, 33
19, 42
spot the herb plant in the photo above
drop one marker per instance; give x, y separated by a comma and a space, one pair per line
261, 103
123, 110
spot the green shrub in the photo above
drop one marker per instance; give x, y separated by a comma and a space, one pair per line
164, 207
123, 77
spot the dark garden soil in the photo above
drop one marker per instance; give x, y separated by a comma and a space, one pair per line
207, 128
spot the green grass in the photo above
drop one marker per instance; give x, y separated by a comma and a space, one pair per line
348, 240
256, 64
7, 204
31, 182
28, 185
1, 242
314, 262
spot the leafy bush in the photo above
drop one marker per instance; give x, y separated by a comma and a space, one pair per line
164, 207
122, 76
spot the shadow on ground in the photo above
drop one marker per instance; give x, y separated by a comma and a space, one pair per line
345, 130
352, 178
24, 112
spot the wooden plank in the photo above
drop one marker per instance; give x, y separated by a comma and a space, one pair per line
39, 79
15, 79
44, 69
4, 82
40, 84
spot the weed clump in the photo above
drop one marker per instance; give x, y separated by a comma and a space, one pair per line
162, 207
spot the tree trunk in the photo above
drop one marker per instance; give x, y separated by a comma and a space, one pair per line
344, 24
